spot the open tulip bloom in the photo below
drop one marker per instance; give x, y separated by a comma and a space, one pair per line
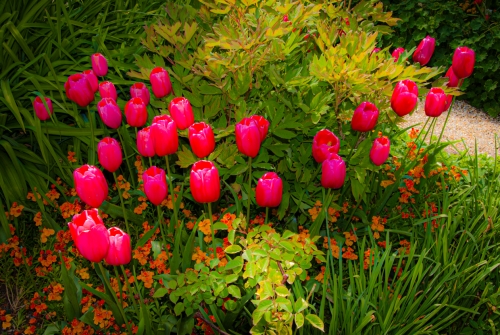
120, 249
324, 143
90, 235
404, 97
90, 185
79, 90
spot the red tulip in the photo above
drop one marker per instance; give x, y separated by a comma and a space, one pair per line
109, 153
91, 77
365, 117
110, 113
285, 18
107, 90
155, 185
99, 64
424, 51
136, 113
333, 172
164, 133
248, 136
396, 53
145, 142
463, 62
453, 79
139, 90
375, 50
41, 112
120, 248
380, 150
269, 190
90, 235
204, 182
79, 90
435, 102
160, 82
90, 185
263, 126
201, 139
182, 112
324, 143
404, 97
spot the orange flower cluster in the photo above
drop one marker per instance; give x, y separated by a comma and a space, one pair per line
71, 157
122, 185
147, 278
321, 275
456, 173
69, 209
54, 291
204, 227
333, 214
142, 253
413, 133
369, 259
303, 235
77, 327
160, 263
102, 317
37, 304
228, 219
83, 273
15, 210
5, 318
46, 233
139, 167
377, 226
38, 219
350, 238
168, 201
142, 206
405, 247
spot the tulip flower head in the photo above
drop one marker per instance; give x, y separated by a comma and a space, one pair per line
139, 90
145, 142
90, 185
204, 182
90, 235
120, 248
79, 90
248, 135
99, 64
333, 172
380, 150
109, 154
463, 62
155, 185
201, 139
453, 80
365, 117
181, 111
92, 78
263, 126
40, 110
397, 53
435, 102
164, 133
404, 97
424, 51
110, 113
160, 82
136, 113
107, 90
324, 143
269, 190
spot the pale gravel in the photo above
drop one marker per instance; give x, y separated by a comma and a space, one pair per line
465, 122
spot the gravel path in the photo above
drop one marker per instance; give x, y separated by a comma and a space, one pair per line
465, 122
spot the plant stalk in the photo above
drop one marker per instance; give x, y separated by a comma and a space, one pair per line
172, 194
92, 143
123, 205
212, 228
249, 187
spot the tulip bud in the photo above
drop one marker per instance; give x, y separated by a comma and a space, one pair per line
453, 79
164, 133
204, 182
424, 51
160, 82
41, 112
285, 18
375, 50
201, 139
99, 64
182, 112
333, 172
269, 190
380, 150
463, 62
110, 113
109, 154
136, 113
435, 102
89, 234
79, 90
120, 248
404, 97
396, 53
248, 137
139, 90
365, 117
107, 90
263, 126
155, 185
91, 77
90, 185
145, 142
324, 143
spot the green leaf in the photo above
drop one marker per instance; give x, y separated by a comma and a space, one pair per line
186, 157
236, 263
160, 292
286, 134
299, 320
179, 308
300, 305
146, 236
232, 249
209, 89
282, 291
234, 291
315, 321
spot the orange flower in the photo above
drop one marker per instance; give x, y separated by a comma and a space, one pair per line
38, 219
321, 275
5, 319
413, 133
55, 291
71, 157
102, 317
142, 253
16, 210
83, 273
335, 247
228, 219
349, 254
369, 258
147, 278
46, 233
377, 226
350, 238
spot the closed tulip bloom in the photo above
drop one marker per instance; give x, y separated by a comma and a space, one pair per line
164, 133
380, 150
79, 90
248, 137
90, 235
99, 64
41, 112
463, 62
120, 248
136, 113
110, 113
139, 90
333, 172
269, 190
160, 82
181, 111
201, 139
109, 153
107, 90
424, 51
365, 117
204, 182
396, 53
145, 142
263, 126
404, 97
452, 78
375, 50
155, 185
324, 143
91, 77
90, 185
435, 102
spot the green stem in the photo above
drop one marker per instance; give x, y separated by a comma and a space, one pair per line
131, 289
126, 158
354, 146
160, 224
121, 201
212, 229
172, 194
117, 274
249, 187
305, 188
267, 215
120, 288
92, 148
325, 208
446, 121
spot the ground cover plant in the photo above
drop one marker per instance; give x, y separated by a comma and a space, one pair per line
264, 186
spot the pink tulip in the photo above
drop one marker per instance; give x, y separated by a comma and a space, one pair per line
435, 102
145, 142
269, 190
41, 112
263, 126
90, 185
91, 77
333, 172
463, 62
164, 133
108, 90
424, 51
204, 181
109, 153
139, 90
99, 64
380, 150
404, 97
397, 53
160, 82
201, 139
110, 113
324, 143
136, 112
365, 117
120, 248
90, 235
182, 112
248, 135
155, 185
79, 90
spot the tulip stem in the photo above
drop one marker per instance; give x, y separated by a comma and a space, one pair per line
117, 274
131, 290
121, 201
267, 215
446, 120
92, 148
307, 186
327, 227
171, 186
212, 229
160, 223
150, 162
354, 146
126, 156
249, 187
